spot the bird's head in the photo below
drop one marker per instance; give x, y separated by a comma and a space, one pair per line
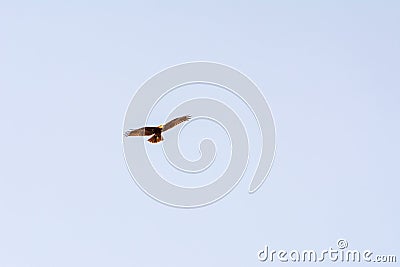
160, 126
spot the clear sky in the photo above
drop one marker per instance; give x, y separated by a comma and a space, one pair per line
328, 69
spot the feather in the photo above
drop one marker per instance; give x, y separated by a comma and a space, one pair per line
175, 122
140, 132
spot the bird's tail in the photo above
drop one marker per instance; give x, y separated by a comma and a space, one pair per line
155, 139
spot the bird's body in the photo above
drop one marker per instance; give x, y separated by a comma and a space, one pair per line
156, 131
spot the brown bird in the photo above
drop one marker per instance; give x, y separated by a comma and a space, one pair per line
156, 131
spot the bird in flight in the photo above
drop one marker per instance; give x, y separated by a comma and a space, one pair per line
156, 131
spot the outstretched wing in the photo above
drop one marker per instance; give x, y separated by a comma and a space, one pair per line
140, 132
175, 122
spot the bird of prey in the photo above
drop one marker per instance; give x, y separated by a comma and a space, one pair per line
156, 131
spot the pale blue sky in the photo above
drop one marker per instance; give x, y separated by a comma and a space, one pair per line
329, 70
